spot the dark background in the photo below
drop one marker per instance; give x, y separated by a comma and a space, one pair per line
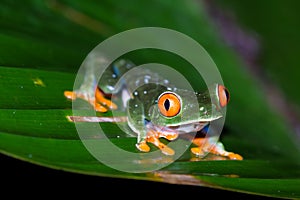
24, 179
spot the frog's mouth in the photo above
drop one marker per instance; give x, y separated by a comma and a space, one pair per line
180, 129
188, 128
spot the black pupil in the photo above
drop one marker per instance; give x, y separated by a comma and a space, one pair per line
167, 104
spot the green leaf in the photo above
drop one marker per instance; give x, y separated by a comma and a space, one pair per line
41, 61
279, 40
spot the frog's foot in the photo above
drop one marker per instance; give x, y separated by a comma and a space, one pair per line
99, 102
216, 149
164, 148
72, 95
102, 100
204, 146
154, 139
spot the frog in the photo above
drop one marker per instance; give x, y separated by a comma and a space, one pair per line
155, 108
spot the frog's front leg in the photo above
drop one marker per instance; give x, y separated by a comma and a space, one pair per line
147, 133
209, 145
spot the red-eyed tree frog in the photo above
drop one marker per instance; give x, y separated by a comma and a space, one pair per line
154, 110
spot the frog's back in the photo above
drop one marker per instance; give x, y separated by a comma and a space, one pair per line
113, 74
137, 77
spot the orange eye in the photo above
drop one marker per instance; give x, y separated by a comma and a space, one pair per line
223, 95
169, 104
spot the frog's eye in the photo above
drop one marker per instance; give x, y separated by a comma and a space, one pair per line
224, 96
169, 104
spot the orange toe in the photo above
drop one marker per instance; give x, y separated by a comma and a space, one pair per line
234, 156
142, 146
100, 108
167, 150
169, 136
70, 95
197, 151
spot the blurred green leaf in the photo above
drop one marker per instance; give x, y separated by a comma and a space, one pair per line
277, 32
41, 62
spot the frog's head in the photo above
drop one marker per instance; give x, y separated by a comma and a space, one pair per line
184, 108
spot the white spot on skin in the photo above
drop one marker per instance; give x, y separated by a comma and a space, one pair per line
114, 76
202, 109
135, 93
136, 105
137, 82
110, 87
125, 97
145, 92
